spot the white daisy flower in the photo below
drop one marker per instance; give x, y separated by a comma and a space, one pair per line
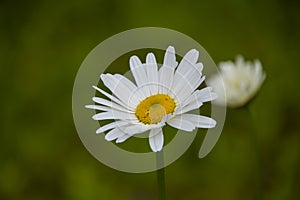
241, 80
158, 97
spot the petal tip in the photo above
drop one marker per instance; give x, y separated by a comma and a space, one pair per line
134, 61
150, 58
213, 123
171, 49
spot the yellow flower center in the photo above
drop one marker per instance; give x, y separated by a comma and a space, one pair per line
152, 109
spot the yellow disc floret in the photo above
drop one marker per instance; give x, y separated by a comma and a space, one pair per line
152, 109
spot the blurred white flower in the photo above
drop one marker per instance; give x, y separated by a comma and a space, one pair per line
241, 81
157, 98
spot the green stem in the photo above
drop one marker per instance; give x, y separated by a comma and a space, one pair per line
259, 185
160, 176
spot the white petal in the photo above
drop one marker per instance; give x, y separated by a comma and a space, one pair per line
195, 100
170, 57
122, 88
134, 62
97, 107
110, 104
140, 128
114, 114
152, 73
114, 134
206, 94
156, 139
227, 68
166, 72
112, 110
188, 76
185, 84
131, 86
199, 120
139, 73
122, 138
188, 61
182, 124
111, 126
193, 106
217, 83
166, 75
135, 129
111, 97
239, 61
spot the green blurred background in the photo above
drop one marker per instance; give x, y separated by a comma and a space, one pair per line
42, 44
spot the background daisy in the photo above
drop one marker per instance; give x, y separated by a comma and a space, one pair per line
241, 80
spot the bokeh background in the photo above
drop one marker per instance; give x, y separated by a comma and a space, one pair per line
42, 44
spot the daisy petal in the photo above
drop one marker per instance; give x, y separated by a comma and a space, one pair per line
188, 62
139, 73
156, 139
196, 100
97, 107
166, 75
110, 104
182, 124
152, 73
200, 121
140, 128
111, 126
114, 114
193, 106
185, 84
111, 97
166, 72
135, 129
170, 57
187, 76
122, 88
123, 138
205, 94
114, 134
131, 86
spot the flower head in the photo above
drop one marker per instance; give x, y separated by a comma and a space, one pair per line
158, 97
241, 80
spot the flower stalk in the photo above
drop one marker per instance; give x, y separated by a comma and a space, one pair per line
160, 173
